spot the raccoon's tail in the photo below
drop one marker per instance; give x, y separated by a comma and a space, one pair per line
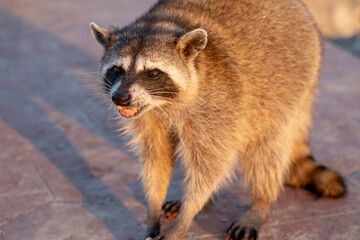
316, 178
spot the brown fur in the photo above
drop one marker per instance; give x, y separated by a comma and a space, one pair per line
242, 76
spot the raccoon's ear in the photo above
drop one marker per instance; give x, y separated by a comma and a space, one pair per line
100, 34
191, 44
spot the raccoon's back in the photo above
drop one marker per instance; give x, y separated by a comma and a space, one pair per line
262, 57
254, 38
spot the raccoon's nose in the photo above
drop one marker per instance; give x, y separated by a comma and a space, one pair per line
121, 98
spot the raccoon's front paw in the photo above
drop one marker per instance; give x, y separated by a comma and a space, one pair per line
159, 237
238, 231
171, 209
153, 231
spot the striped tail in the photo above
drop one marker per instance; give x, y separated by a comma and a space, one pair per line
318, 179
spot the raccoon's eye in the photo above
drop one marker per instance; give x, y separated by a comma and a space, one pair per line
154, 73
117, 70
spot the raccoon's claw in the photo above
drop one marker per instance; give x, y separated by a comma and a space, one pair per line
171, 209
236, 232
159, 237
151, 232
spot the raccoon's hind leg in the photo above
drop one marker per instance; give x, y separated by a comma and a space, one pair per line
171, 209
263, 166
306, 173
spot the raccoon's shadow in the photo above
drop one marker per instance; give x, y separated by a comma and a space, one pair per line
217, 215
39, 104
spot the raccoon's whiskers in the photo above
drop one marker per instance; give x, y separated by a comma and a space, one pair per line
156, 95
93, 88
168, 99
94, 76
90, 74
159, 92
109, 84
95, 106
154, 90
113, 113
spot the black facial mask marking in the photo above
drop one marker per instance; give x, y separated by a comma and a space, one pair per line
112, 76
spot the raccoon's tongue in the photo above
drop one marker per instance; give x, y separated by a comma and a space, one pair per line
127, 112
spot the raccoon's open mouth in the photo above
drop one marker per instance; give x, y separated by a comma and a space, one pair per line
129, 112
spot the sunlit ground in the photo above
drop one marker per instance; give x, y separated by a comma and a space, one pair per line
65, 173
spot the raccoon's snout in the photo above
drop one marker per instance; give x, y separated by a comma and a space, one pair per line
121, 98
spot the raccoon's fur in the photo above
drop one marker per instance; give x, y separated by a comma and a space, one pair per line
230, 85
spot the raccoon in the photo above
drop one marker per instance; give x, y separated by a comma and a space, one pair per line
229, 85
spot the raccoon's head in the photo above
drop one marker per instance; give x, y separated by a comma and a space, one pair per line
149, 66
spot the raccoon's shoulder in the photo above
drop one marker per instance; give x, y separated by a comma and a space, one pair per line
187, 14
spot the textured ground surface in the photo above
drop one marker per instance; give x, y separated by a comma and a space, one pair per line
64, 174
